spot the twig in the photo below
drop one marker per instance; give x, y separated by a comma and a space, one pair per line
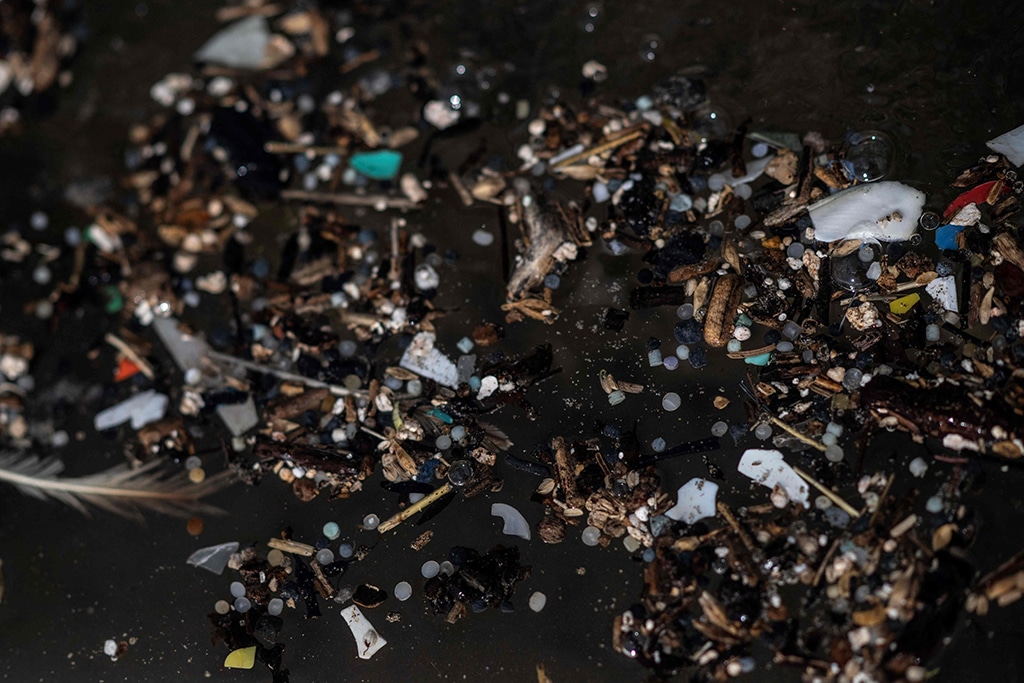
724, 510
631, 133
825, 560
144, 367
834, 497
792, 432
278, 147
293, 547
349, 199
422, 503
335, 389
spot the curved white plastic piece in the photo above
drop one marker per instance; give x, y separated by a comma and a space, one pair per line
695, 500
887, 211
767, 468
515, 523
368, 640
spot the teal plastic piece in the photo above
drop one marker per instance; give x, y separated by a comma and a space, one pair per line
442, 416
761, 359
380, 165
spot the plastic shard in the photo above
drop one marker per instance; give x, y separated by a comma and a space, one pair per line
943, 290
213, 558
188, 351
695, 500
515, 523
141, 409
368, 641
886, 211
381, 164
239, 417
422, 358
242, 45
904, 303
242, 658
1010, 145
768, 468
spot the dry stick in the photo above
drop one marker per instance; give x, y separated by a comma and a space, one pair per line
284, 375
395, 274
789, 430
834, 497
395, 520
144, 367
350, 199
881, 499
724, 510
825, 560
293, 547
631, 133
277, 147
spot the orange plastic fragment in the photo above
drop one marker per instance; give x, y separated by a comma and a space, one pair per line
126, 369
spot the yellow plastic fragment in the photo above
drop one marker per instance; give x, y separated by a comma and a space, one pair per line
243, 658
904, 303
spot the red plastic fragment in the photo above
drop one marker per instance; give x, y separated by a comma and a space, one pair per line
975, 195
125, 369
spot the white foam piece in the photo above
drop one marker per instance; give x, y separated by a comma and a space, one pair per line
887, 211
1010, 145
695, 500
422, 358
768, 468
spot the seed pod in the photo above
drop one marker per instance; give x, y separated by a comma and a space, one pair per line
720, 319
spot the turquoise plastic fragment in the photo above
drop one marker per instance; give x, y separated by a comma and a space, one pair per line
442, 416
761, 359
380, 165
945, 236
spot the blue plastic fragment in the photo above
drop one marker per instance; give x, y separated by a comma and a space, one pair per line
761, 359
380, 165
945, 236
442, 416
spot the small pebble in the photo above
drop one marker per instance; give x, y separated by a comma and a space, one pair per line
654, 357
110, 648
537, 601
671, 401
630, 544
552, 281
763, 431
795, 250
741, 333
447, 568
275, 558
784, 347
682, 352
918, 467
833, 453
931, 333
685, 312
345, 551
430, 569
590, 535
371, 522
222, 607
325, 556
483, 238
616, 397
658, 445
275, 606
237, 589
742, 222
649, 555
443, 443
759, 150
733, 345
242, 605
670, 362
743, 191
933, 505
458, 433
403, 591
719, 428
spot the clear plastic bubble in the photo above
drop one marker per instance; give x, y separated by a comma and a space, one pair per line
871, 154
850, 271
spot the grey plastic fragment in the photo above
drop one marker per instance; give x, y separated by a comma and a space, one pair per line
241, 45
141, 409
213, 558
239, 417
1010, 144
515, 523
